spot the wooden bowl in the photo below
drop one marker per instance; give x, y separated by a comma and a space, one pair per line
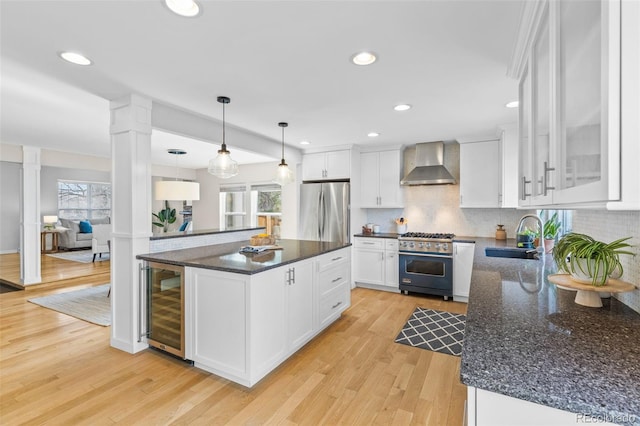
262, 241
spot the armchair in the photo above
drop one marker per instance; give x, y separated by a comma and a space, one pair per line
99, 242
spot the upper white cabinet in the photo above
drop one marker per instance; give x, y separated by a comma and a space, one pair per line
480, 174
329, 165
577, 63
380, 179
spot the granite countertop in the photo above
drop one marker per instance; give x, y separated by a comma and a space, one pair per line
226, 257
179, 234
527, 339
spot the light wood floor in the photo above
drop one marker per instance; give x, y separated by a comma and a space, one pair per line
55, 369
54, 272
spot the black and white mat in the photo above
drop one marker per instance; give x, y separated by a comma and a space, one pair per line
433, 330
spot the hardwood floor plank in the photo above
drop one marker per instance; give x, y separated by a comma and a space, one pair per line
56, 369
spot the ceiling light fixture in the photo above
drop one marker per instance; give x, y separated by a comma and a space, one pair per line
223, 166
373, 134
304, 142
512, 104
402, 107
177, 190
364, 58
75, 58
186, 8
284, 174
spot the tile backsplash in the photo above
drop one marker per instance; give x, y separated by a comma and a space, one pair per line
609, 226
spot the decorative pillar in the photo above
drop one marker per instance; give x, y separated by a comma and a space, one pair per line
130, 214
30, 217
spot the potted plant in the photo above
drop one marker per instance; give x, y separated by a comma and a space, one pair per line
165, 217
550, 231
526, 238
588, 260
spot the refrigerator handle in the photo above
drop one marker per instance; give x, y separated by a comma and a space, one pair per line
322, 215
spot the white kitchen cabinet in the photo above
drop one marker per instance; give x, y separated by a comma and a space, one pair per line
380, 177
463, 254
509, 155
490, 408
243, 326
480, 174
375, 263
578, 67
330, 165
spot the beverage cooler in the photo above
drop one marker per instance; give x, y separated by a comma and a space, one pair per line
162, 293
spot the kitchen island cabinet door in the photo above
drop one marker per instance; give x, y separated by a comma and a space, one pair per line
299, 304
215, 322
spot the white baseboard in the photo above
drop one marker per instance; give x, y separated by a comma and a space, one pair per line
9, 251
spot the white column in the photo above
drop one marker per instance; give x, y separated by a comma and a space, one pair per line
130, 214
30, 217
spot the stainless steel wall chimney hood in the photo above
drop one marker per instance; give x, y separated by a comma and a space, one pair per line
429, 169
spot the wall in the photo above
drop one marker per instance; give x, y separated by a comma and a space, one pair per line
609, 226
10, 207
436, 208
206, 211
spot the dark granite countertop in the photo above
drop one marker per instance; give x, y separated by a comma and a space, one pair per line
180, 234
226, 257
391, 235
527, 339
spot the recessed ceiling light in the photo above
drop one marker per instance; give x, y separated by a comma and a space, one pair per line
402, 107
75, 58
188, 8
373, 134
304, 143
364, 58
512, 104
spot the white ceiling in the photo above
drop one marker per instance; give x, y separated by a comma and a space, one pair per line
276, 60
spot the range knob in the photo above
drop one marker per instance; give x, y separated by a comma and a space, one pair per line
420, 245
428, 245
411, 244
445, 247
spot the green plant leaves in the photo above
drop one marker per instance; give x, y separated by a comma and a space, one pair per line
604, 258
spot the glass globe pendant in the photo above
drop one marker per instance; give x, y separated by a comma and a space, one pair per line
223, 166
284, 175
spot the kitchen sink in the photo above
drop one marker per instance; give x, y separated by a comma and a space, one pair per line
513, 252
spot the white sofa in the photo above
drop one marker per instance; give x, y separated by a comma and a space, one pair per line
73, 238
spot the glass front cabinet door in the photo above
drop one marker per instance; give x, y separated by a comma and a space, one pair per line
570, 104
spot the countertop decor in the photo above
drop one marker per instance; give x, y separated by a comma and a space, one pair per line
525, 338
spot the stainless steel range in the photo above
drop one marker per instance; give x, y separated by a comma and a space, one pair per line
426, 263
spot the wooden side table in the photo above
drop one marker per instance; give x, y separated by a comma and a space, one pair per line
54, 240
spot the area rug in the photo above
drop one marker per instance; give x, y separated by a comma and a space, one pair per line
433, 330
83, 256
89, 304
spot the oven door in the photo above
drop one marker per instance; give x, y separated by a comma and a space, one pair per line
426, 273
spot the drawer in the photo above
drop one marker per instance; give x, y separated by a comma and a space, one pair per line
333, 277
333, 304
334, 258
370, 243
391, 245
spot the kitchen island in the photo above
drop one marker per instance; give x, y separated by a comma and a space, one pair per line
246, 313
532, 356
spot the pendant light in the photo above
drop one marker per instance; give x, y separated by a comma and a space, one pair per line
177, 190
223, 166
284, 174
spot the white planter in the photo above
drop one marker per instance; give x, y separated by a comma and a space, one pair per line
584, 277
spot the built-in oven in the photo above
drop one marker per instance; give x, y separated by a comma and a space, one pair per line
426, 264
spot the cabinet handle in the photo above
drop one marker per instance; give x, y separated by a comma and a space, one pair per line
336, 258
293, 273
545, 179
524, 188
336, 280
391, 255
368, 244
461, 203
336, 305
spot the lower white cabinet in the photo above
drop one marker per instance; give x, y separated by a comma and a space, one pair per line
376, 263
241, 327
462, 267
494, 409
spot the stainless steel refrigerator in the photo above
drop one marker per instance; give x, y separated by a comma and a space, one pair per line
324, 211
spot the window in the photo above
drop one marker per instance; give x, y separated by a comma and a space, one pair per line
243, 206
233, 211
84, 200
564, 216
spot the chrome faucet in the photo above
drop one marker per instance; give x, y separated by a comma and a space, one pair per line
540, 248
